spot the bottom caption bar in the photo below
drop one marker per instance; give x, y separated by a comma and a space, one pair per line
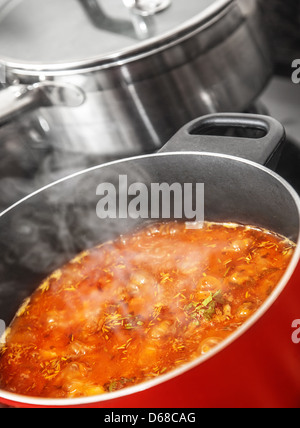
135, 417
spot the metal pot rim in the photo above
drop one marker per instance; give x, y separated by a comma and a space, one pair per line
44, 402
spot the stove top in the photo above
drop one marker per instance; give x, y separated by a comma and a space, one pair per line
282, 100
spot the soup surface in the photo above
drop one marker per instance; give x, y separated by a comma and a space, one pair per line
136, 308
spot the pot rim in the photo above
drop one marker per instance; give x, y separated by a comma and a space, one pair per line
109, 397
144, 49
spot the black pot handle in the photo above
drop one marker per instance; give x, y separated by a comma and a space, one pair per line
228, 133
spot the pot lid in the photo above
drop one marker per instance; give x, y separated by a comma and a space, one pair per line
57, 34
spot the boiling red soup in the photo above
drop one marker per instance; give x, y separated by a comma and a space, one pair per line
128, 311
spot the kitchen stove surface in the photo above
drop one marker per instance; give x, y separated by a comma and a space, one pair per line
282, 100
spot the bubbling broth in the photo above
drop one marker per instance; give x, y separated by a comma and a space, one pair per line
131, 310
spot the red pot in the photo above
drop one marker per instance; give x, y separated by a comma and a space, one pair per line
257, 366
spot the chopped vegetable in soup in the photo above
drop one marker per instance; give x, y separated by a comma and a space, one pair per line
136, 308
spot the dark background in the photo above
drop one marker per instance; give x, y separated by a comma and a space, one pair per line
282, 19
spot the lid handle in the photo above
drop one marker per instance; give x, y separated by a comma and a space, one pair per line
147, 7
141, 24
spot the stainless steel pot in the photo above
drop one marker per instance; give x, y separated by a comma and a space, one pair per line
120, 77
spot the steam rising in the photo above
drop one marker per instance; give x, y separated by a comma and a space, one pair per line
46, 231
